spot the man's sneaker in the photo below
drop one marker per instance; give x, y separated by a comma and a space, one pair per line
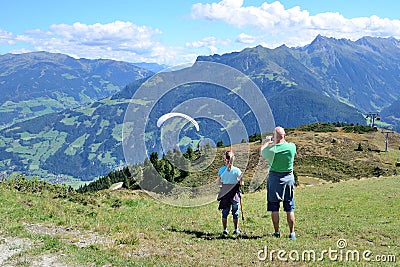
277, 234
237, 232
292, 236
225, 233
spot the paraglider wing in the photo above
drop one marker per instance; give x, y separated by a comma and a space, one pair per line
167, 116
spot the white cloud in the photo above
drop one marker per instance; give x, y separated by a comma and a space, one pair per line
9, 38
109, 38
117, 40
245, 38
293, 26
210, 43
267, 16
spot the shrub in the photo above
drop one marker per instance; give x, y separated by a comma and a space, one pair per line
255, 137
318, 127
360, 129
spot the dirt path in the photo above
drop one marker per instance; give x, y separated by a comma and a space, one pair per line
12, 248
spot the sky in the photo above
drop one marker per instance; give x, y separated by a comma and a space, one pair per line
177, 31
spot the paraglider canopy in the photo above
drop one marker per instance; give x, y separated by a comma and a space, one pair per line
167, 116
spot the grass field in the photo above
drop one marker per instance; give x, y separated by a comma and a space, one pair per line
128, 228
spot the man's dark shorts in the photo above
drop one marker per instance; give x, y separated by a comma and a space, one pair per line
280, 188
287, 206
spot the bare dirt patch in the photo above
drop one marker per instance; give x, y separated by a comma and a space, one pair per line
77, 237
13, 248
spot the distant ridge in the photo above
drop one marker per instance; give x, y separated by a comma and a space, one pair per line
154, 67
37, 83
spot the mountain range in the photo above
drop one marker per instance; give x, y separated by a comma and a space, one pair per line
33, 84
329, 80
364, 74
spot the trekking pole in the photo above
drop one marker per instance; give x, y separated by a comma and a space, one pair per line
241, 210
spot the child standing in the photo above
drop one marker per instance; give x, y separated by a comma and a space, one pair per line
230, 178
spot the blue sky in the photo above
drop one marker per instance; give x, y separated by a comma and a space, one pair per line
173, 32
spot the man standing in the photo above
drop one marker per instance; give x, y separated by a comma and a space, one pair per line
280, 184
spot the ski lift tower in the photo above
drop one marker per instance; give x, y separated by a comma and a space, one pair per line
387, 132
373, 116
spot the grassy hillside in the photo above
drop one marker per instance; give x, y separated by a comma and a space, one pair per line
321, 157
52, 225
340, 155
125, 228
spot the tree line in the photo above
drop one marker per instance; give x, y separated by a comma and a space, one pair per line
173, 167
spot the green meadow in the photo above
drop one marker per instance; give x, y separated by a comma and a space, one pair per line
349, 223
